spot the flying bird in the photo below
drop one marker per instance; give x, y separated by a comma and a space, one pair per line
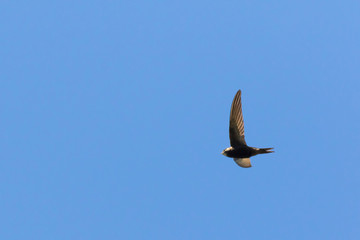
239, 150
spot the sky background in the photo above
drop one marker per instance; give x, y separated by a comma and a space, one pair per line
114, 115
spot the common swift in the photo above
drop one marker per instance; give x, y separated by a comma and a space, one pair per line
239, 150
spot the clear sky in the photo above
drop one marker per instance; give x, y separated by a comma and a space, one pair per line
114, 115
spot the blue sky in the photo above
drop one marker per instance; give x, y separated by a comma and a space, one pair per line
114, 115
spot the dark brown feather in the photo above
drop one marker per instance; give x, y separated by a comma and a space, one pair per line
237, 132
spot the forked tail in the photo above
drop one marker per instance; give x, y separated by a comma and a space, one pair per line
265, 150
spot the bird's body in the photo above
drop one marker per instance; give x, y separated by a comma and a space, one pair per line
239, 150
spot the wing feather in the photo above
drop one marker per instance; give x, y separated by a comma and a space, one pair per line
236, 129
243, 162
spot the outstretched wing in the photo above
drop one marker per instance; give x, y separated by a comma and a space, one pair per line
243, 162
237, 133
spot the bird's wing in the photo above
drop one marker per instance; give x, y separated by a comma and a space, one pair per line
243, 162
237, 133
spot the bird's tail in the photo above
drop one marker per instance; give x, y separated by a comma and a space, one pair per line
264, 150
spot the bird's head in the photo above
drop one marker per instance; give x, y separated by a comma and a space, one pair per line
226, 150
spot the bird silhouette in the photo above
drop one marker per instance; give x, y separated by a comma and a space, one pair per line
239, 150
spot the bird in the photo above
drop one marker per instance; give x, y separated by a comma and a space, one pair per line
239, 150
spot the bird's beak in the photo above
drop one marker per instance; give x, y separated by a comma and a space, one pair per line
223, 152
